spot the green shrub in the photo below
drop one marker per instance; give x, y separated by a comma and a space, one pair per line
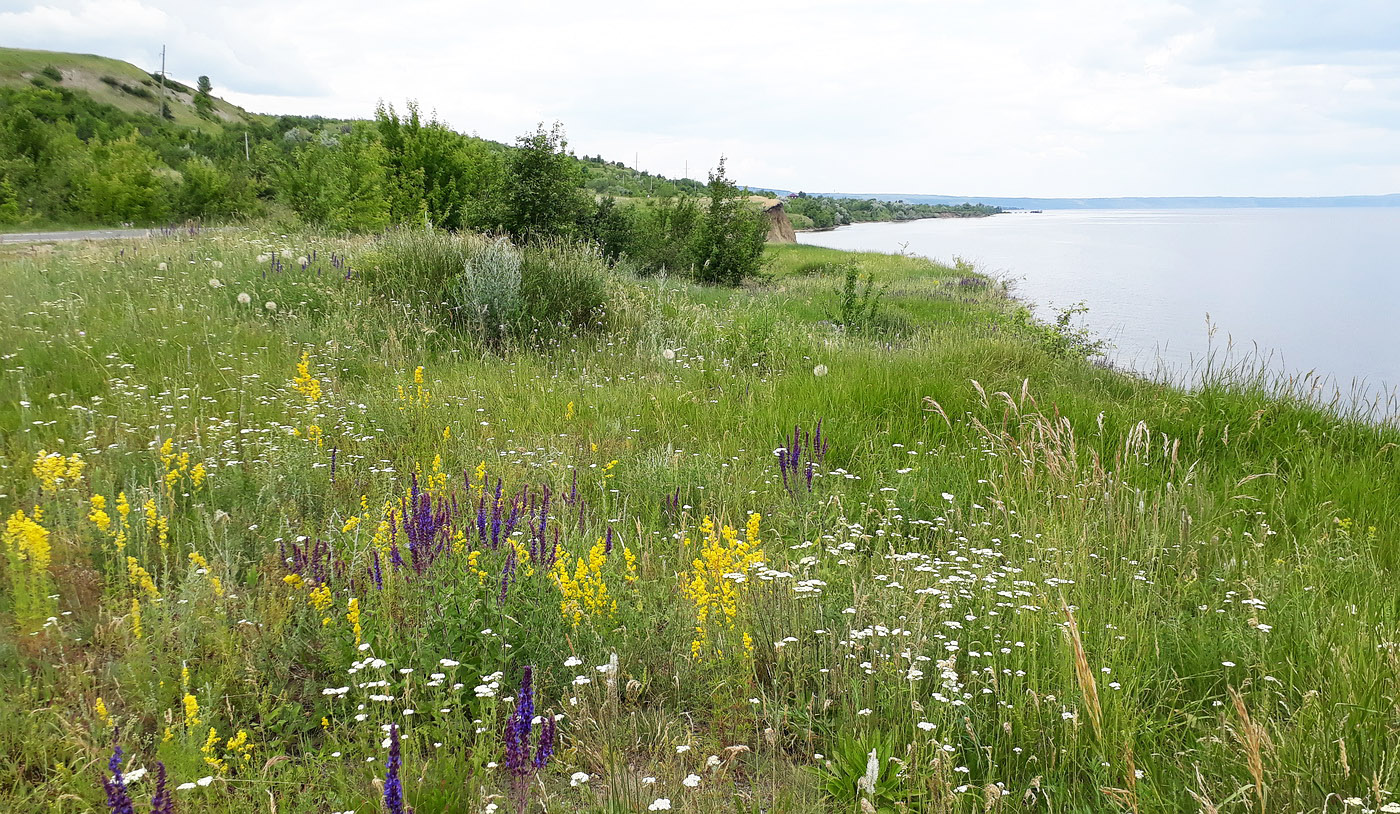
859, 309
564, 286
421, 266
488, 297
53, 73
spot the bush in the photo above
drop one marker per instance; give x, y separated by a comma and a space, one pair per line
564, 286
490, 288
53, 73
488, 291
859, 310
421, 266
727, 247
542, 186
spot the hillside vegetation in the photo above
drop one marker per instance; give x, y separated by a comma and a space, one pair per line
112, 82
294, 535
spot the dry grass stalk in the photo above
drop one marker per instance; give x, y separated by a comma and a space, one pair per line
1253, 738
1088, 687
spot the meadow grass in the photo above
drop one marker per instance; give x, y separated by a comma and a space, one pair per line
1014, 580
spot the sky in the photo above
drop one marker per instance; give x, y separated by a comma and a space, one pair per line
1071, 98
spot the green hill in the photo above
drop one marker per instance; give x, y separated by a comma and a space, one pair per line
113, 82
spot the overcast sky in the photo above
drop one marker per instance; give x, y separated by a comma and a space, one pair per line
1004, 97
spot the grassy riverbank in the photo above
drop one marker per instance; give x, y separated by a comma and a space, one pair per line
1020, 580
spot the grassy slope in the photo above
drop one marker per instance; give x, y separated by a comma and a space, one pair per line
1152, 513
84, 72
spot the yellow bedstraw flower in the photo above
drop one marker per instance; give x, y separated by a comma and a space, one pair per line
197, 475
208, 749
140, 579
583, 590
305, 383
55, 471
101, 708
98, 515
28, 541
353, 617
191, 710
718, 585
124, 509
136, 629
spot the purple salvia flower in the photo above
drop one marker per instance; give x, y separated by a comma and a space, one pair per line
393, 785
545, 749
507, 574
161, 801
118, 800
608, 541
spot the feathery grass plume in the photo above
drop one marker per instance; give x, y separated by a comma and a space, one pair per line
1088, 687
1253, 739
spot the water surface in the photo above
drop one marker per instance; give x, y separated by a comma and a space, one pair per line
1308, 289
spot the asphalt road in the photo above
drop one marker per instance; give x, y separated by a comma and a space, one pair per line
83, 234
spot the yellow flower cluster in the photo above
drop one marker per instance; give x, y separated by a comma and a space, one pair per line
202, 565
177, 465
124, 512
55, 471
582, 587
320, 599
718, 584
140, 579
101, 708
27, 541
474, 565
353, 617
98, 513
27, 556
304, 383
191, 710
157, 523
414, 395
235, 748
435, 481
137, 630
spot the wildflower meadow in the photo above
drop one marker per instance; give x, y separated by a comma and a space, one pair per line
299, 523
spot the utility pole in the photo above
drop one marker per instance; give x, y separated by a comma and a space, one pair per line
162, 81
247, 156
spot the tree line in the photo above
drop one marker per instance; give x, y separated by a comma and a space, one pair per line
66, 158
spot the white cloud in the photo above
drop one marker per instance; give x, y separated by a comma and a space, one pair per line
1078, 97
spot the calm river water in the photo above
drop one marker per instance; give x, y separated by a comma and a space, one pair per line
1306, 289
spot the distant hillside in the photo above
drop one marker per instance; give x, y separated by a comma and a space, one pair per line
1200, 202
113, 82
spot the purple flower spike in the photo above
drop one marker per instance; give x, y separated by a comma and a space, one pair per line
118, 800
393, 785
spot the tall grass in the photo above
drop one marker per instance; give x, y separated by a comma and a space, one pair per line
1021, 580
